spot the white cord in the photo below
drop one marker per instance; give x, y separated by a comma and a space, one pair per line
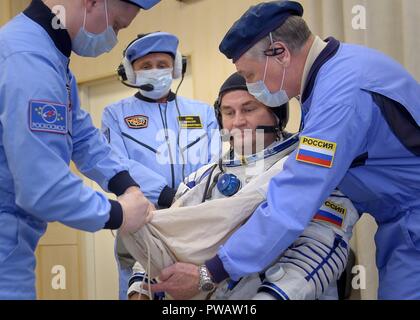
147, 273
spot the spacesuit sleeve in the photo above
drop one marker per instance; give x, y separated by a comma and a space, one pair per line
297, 192
38, 150
138, 277
317, 258
153, 185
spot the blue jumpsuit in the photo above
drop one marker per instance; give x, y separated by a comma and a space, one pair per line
43, 128
147, 133
362, 117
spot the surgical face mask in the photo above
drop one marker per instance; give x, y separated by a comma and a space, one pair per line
160, 79
87, 44
260, 91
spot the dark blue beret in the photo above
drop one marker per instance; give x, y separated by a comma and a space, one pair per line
255, 24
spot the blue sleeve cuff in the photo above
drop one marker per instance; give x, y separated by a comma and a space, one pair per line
166, 197
217, 270
121, 182
115, 216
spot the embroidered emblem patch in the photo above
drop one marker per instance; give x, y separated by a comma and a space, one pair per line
137, 122
48, 117
190, 122
332, 213
316, 151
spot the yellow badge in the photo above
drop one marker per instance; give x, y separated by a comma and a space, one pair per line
316, 151
190, 122
332, 213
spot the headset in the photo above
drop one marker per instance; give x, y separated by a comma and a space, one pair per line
127, 75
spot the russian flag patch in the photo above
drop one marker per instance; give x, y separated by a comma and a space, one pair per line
316, 151
331, 213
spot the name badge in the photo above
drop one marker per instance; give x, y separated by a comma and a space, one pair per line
190, 122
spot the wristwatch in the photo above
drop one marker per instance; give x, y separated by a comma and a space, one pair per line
206, 284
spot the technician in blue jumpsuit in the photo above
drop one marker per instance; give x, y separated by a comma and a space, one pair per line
163, 136
362, 116
43, 128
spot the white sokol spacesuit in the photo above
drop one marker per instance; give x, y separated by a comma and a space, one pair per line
308, 269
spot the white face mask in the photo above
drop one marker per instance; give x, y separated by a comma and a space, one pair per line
159, 79
88, 44
260, 91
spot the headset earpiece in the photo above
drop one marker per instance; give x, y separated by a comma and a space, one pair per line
178, 66
121, 73
217, 111
184, 64
125, 69
274, 52
129, 72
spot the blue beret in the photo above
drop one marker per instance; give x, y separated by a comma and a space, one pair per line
153, 42
255, 24
144, 4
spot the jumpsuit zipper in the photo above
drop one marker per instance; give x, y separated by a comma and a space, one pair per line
139, 142
165, 127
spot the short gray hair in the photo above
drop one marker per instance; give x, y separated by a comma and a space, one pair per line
294, 32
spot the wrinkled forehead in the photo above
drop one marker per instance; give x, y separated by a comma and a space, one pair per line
247, 66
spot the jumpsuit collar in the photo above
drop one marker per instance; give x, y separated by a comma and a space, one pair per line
42, 15
329, 51
171, 97
316, 49
289, 143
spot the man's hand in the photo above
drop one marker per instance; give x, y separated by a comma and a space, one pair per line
180, 281
137, 210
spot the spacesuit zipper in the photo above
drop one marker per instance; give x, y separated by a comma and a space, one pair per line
70, 107
165, 127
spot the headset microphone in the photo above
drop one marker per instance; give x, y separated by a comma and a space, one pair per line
147, 87
268, 129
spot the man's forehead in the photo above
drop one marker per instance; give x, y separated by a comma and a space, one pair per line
246, 65
237, 97
156, 56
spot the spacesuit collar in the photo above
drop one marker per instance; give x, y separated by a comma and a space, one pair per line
329, 51
42, 15
171, 97
284, 146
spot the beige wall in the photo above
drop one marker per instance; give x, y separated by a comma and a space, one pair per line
392, 27
200, 27
4, 12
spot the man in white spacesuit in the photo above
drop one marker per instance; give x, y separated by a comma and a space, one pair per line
259, 146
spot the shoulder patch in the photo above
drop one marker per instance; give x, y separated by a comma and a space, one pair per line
316, 151
47, 116
332, 213
137, 122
